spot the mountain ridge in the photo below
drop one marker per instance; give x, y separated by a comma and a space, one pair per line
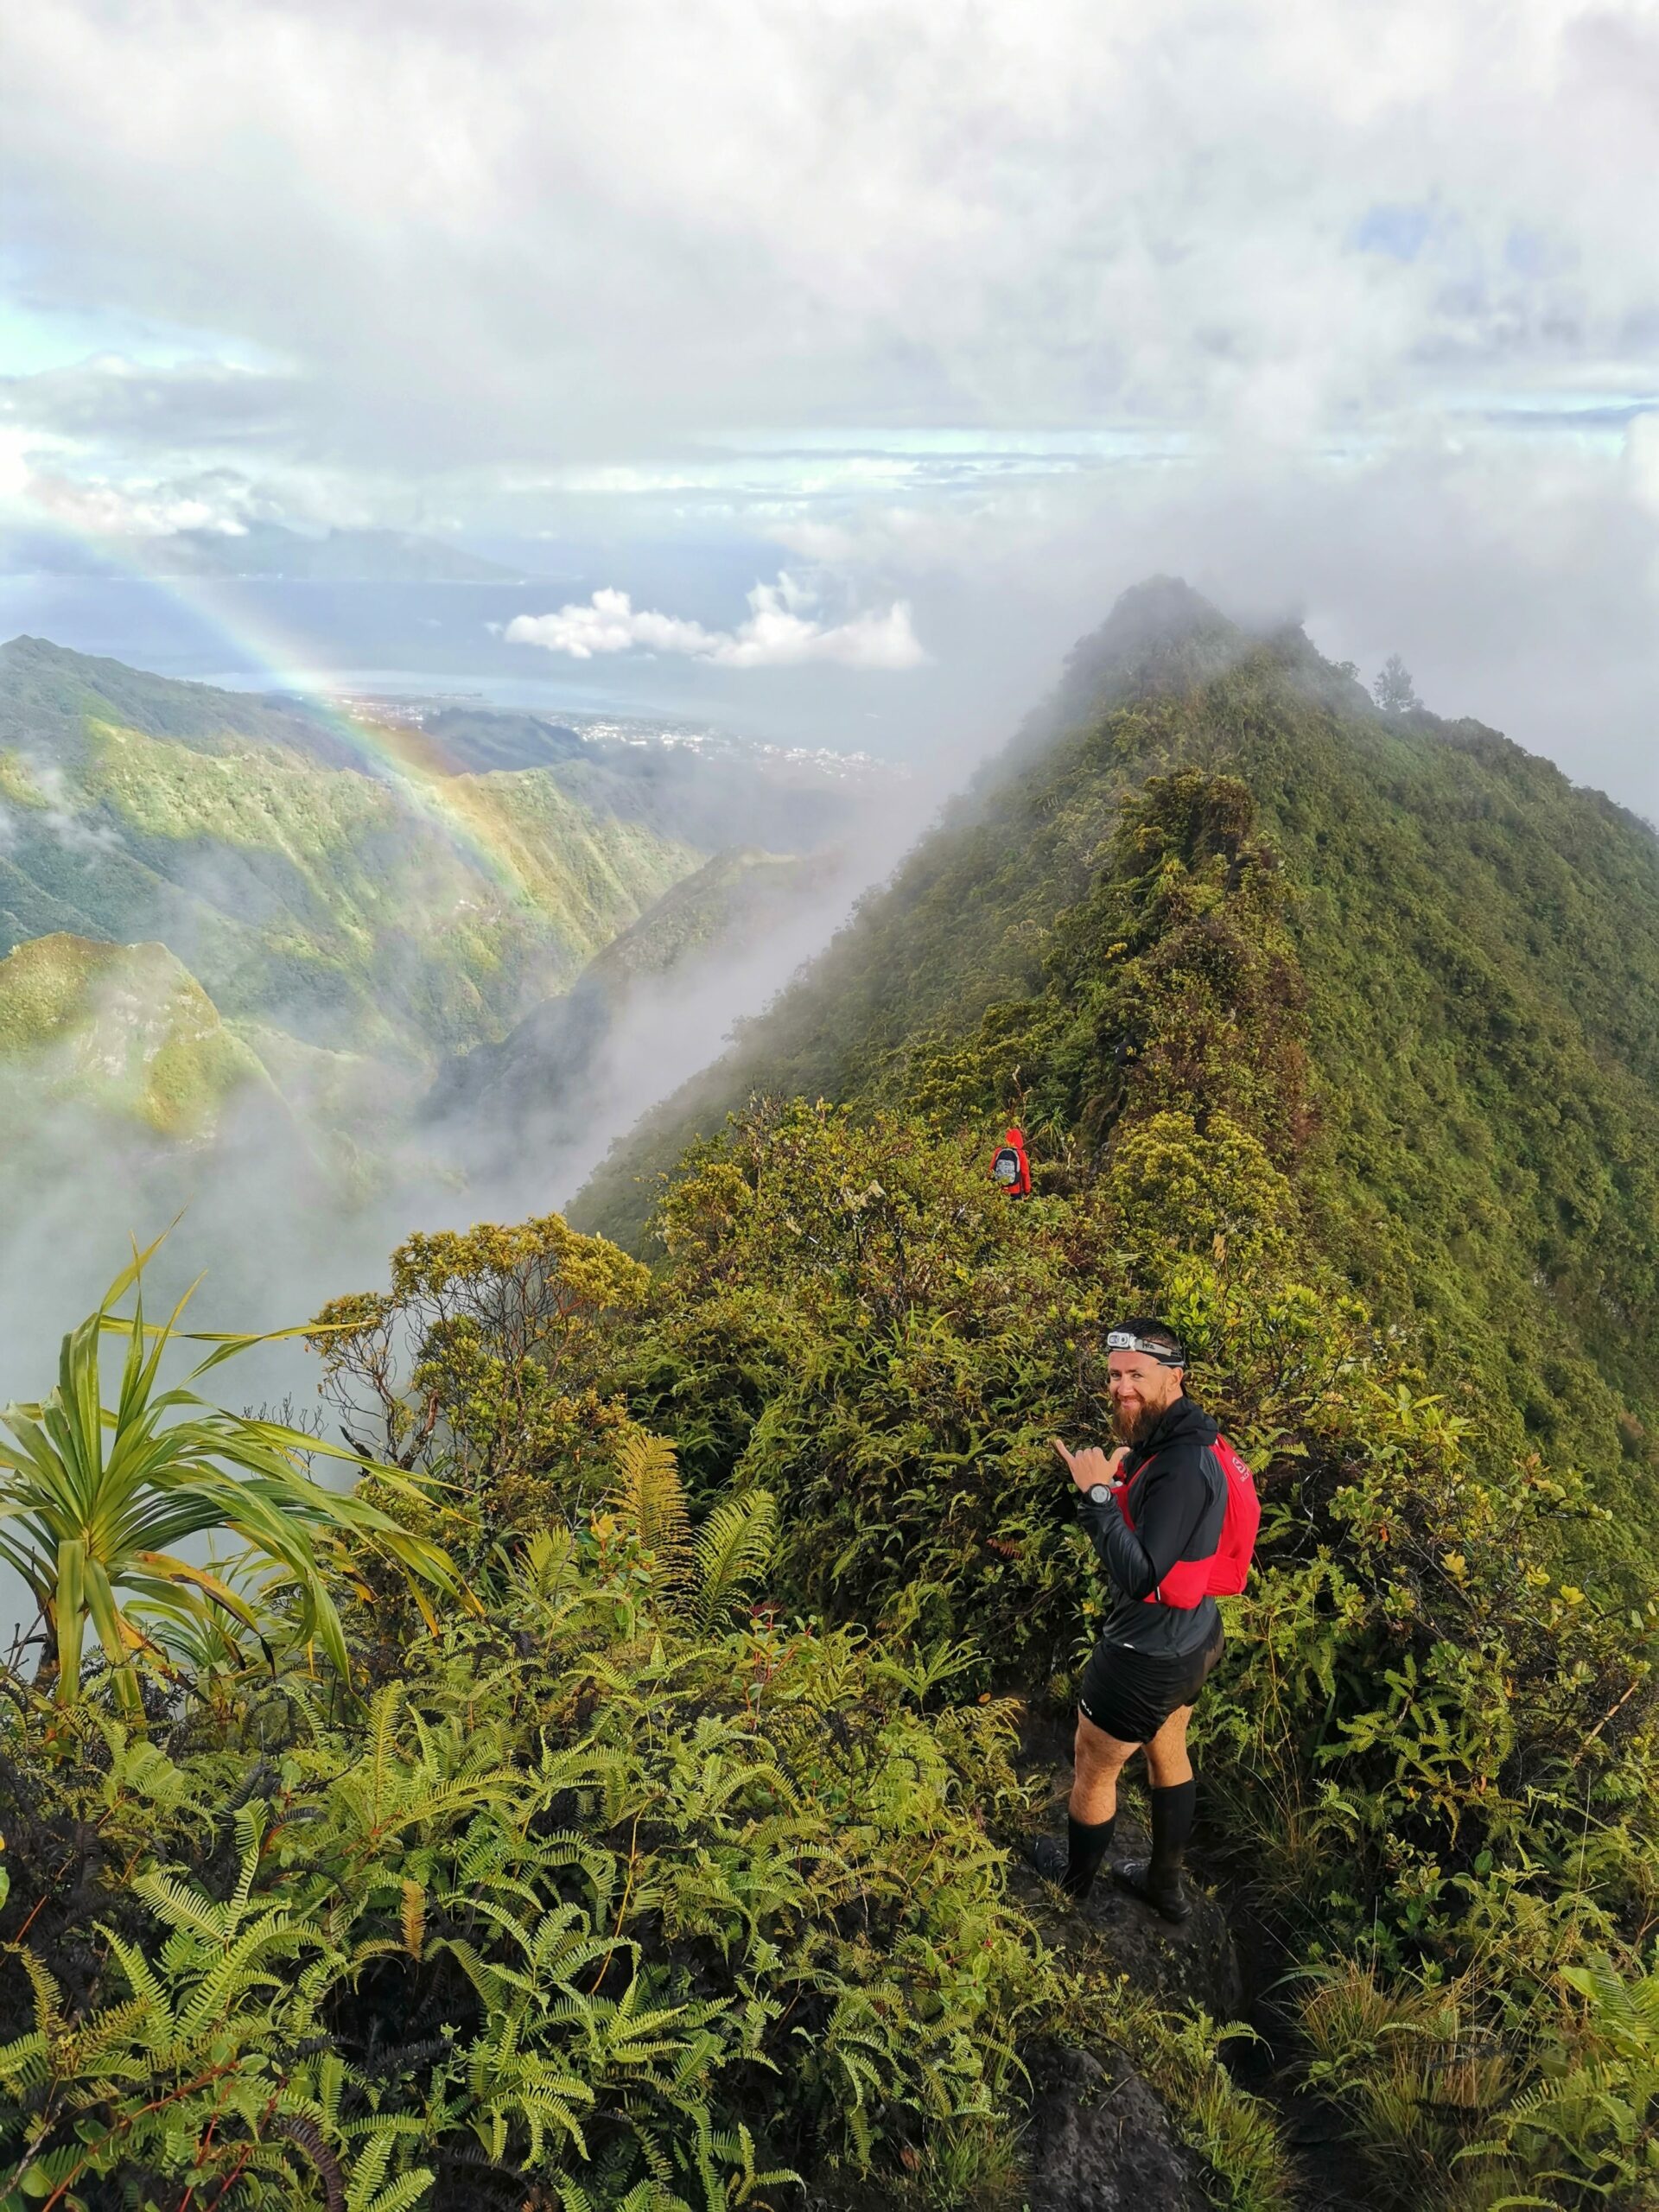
1477, 941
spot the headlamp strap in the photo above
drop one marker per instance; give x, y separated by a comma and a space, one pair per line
1126, 1340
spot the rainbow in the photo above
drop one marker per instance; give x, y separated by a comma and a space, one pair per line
394, 752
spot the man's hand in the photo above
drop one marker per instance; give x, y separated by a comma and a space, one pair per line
1090, 1466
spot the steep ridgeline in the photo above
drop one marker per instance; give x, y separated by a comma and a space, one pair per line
1414, 961
346, 902
552, 1076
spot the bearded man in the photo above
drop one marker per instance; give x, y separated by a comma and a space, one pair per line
1154, 1511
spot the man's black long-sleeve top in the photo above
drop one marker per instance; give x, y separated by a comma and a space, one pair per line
1178, 1502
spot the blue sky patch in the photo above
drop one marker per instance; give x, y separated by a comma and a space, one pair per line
1399, 232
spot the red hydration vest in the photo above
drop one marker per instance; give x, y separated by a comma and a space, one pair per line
1225, 1573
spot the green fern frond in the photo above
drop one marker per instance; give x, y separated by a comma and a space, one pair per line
148, 1992
546, 1567
183, 1909
649, 1499
398, 2196
734, 1549
26, 2062
649, 1503
48, 1999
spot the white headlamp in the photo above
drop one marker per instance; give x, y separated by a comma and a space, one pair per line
1126, 1340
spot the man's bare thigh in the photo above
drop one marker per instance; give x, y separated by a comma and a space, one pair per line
1099, 1749
1173, 1734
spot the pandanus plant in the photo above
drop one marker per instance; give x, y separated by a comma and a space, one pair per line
94, 1500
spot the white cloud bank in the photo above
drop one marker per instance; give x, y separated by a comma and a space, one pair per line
782, 630
1272, 222
99, 509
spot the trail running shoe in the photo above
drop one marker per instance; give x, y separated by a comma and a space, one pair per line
1163, 1892
1052, 1857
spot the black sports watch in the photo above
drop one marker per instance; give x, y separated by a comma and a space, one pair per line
1099, 1494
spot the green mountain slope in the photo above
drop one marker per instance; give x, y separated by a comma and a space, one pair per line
406, 915
360, 902
354, 911
1453, 952
48, 695
124, 1028
540, 1084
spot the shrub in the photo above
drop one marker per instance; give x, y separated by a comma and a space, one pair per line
603, 1898
478, 1364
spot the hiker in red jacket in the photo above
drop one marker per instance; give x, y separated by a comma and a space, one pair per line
1154, 1511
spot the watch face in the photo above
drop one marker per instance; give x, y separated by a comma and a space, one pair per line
1098, 1494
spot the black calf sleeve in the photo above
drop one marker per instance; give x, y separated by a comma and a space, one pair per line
1172, 1822
1087, 1844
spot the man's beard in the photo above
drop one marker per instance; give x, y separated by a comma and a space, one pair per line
1132, 1427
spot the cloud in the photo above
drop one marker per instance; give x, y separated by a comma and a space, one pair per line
99, 509
15, 463
608, 624
109, 446
986, 310
51, 813
1642, 458
111, 402
781, 631
476, 239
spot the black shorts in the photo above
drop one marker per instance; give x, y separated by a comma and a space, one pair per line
1131, 1693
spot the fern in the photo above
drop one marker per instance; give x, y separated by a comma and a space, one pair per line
734, 1549
551, 1907
649, 1500
370, 2189
545, 1567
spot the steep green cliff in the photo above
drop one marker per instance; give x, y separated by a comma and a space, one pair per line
406, 916
122, 1027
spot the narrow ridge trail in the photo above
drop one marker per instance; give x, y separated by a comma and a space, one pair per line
1219, 1960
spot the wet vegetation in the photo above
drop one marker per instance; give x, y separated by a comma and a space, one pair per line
676, 1868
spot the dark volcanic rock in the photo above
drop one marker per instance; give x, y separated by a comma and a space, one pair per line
1099, 2140
1192, 1963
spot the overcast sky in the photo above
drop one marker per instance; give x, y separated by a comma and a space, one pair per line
915, 331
